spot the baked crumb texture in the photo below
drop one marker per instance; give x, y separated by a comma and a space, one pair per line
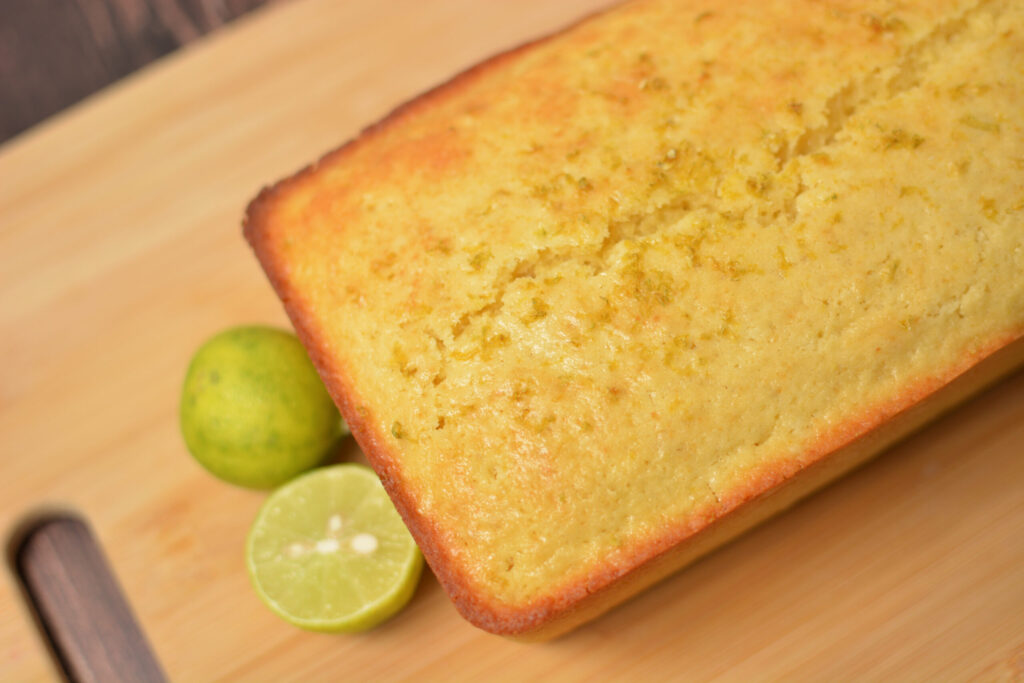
592, 295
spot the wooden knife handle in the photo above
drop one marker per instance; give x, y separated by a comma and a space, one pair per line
80, 607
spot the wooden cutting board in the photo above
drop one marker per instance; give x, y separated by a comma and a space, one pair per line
121, 250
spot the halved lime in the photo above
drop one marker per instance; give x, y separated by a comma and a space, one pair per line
329, 552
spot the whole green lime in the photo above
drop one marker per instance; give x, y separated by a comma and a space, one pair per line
254, 411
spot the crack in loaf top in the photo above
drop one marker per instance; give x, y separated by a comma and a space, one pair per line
599, 291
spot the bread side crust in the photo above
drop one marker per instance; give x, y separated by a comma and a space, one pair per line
768, 491
773, 490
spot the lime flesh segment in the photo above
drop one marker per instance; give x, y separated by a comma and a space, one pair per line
329, 552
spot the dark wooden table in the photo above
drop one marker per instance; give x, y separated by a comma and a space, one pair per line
54, 53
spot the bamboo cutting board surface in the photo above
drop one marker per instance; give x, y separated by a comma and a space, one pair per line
121, 251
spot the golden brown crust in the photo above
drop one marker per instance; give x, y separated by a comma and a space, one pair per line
565, 605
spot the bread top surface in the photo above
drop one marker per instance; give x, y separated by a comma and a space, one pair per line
587, 297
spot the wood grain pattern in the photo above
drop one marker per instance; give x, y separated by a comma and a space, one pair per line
120, 251
89, 625
55, 52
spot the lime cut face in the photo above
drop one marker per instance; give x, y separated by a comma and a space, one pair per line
329, 552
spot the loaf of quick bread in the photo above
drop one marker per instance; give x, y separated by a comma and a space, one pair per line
602, 302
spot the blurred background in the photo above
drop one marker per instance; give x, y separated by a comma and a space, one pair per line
53, 53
